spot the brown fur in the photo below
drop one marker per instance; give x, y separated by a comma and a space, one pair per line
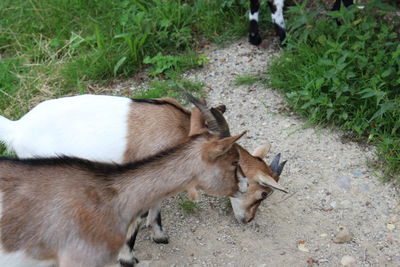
253, 166
77, 208
168, 125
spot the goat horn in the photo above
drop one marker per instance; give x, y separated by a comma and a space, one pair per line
221, 108
214, 119
222, 123
275, 166
280, 169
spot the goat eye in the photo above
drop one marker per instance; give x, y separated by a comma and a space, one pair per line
235, 163
264, 195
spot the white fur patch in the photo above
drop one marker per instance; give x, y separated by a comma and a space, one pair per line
88, 126
253, 16
239, 212
19, 259
243, 184
125, 254
277, 17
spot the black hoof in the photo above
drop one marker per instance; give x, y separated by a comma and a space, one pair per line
163, 240
255, 39
130, 263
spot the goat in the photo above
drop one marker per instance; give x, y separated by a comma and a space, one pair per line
90, 126
276, 8
77, 212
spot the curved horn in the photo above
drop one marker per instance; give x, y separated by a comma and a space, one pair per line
222, 123
221, 108
275, 166
214, 118
280, 169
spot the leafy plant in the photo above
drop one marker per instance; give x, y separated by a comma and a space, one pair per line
188, 206
171, 88
347, 75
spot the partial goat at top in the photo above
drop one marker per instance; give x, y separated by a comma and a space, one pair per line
121, 130
77, 212
276, 7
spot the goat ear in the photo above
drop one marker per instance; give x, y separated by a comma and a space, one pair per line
262, 151
221, 146
268, 181
197, 124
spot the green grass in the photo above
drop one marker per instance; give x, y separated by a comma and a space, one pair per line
187, 206
347, 75
54, 48
50, 49
247, 79
174, 88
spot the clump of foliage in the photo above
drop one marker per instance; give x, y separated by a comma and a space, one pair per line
188, 206
346, 75
53, 48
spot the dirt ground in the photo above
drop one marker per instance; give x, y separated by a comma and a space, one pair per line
330, 188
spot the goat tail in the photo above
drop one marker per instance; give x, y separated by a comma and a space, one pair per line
6, 127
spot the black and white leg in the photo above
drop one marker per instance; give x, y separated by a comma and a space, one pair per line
276, 7
126, 256
154, 220
254, 34
337, 4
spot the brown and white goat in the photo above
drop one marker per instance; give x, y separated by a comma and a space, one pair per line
77, 212
121, 130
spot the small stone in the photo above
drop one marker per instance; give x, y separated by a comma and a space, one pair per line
391, 226
323, 235
347, 260
303, 248
343, 236
343, 182
357, 173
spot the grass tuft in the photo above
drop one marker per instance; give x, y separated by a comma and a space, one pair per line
247, 79
55, 48
188, 206
347, 75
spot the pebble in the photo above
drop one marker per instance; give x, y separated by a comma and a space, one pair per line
343, 236
343, 182
347, 260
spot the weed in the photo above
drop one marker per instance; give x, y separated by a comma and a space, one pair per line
172, 66
56, 48
247, 80
187, 206
347, 75
171, 88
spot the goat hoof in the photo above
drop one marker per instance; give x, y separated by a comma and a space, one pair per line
131, 263
255, 40
161, 240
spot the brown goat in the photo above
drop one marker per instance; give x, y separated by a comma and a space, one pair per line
122, 130
77, 212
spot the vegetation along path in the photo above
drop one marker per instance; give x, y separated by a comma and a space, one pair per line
331, 188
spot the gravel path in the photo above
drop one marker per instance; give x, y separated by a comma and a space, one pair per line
331, 188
